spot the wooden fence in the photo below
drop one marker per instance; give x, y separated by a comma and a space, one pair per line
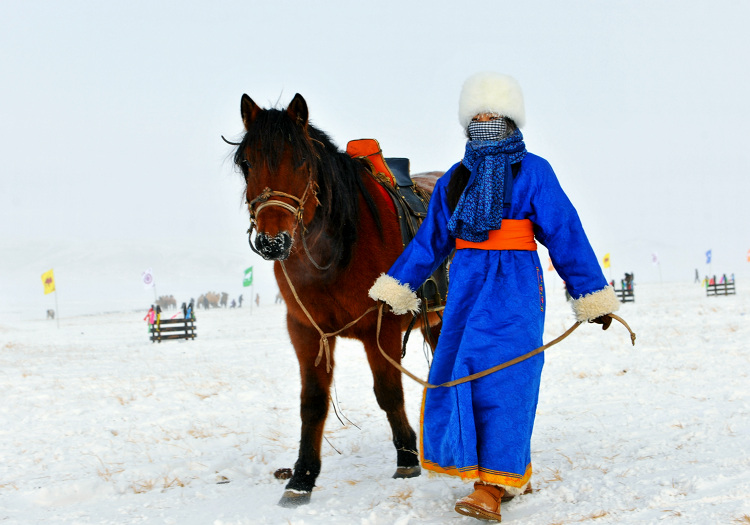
625, 295
725, 288
173, 329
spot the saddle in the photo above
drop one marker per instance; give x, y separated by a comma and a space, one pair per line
410, 204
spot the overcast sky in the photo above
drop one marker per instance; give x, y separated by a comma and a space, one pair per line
111, 112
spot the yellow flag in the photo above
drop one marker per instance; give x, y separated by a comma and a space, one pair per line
48, 280
606, 261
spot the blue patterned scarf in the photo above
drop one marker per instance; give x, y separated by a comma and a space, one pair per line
480, 207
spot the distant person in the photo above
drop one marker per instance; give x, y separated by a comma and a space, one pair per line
697, 278
189, 314
239, 300
257, 299
234, 304
150, 318
184, 310
158, 316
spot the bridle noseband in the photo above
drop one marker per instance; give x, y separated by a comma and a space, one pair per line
266, 199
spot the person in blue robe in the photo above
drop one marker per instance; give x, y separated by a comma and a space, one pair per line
487, 211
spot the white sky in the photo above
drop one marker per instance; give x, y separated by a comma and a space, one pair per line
111, 112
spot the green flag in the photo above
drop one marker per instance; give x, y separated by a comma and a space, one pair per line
248, 277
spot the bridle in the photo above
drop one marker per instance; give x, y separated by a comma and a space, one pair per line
269, 197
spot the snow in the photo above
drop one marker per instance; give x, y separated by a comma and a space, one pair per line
99, 425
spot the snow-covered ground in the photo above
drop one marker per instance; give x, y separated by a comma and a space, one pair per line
99, 425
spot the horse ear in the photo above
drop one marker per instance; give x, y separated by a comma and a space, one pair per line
298, 110
249, 110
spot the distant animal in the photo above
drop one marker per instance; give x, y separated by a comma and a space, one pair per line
325, 216
211, 299
50, 314
166, 302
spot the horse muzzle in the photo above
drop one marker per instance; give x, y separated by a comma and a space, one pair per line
274, 248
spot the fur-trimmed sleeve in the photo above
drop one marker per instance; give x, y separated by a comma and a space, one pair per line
400, 297
589, 307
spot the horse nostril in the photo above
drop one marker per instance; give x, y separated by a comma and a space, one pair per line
274, 248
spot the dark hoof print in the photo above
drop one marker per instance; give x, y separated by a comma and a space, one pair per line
292, 499
407, 472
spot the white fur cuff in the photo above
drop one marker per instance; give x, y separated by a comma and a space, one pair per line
593, 305
399, 297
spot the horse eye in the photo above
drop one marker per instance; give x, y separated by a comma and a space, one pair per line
247, 163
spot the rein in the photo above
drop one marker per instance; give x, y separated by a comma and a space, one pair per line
489, 371
325, 349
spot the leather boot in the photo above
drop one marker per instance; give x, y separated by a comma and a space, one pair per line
483, 503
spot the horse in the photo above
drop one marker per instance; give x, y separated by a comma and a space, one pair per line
322, 218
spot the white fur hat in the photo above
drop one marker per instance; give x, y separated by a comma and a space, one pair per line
491, 93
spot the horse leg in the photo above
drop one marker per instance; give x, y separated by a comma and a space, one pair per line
389, 393
314, 400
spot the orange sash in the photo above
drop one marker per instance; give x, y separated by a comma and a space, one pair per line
512, 235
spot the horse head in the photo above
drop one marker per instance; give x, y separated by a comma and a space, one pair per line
276, 158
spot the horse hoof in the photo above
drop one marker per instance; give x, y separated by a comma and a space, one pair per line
407, 472
293, 498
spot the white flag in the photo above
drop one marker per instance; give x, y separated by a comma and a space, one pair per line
148, 278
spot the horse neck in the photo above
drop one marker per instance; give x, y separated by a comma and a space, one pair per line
322, 235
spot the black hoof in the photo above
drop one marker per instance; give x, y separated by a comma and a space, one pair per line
407, 472
292, 498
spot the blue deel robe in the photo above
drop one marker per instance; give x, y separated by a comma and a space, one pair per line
494, 313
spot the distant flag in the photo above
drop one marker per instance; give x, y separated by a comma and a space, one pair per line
552, 266
606, 261
708, 257
248, 277
48, 280
148, 279
655, 258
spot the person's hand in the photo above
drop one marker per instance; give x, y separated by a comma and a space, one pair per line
604, 320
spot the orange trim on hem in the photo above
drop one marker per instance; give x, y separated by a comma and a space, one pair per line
514, 234
495, 477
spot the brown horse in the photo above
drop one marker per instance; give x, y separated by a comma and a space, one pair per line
321, 214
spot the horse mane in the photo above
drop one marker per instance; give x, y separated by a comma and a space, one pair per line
339, 177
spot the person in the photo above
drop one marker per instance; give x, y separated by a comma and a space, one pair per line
189, 314
150, 318
257, 299
489, 208
239, 300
